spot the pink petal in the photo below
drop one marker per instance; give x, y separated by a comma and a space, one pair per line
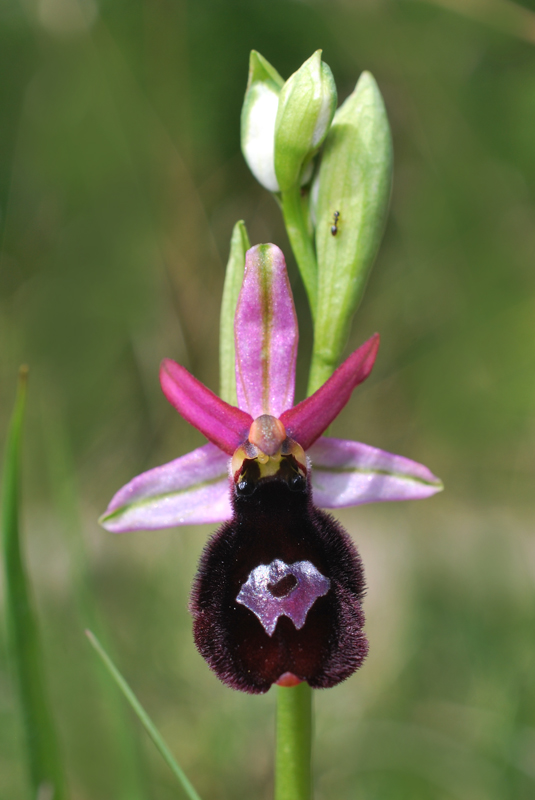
350, 473
189, 490
266, 334
306, 421
221, 423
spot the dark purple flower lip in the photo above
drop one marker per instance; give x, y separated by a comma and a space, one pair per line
277, 598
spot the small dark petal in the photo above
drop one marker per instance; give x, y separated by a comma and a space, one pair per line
276, 523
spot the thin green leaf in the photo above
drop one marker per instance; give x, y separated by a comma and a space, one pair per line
143, 717
44, 762
239, 244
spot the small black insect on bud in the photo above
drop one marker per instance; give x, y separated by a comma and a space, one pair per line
334, 226
279, 588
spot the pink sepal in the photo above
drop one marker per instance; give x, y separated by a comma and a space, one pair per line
190, 490
348, 473
266, 334
308, 420
223, 424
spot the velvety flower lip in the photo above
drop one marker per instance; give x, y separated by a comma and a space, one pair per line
256, 628
194, 488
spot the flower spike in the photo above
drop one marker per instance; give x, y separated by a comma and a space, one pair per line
266, 334
221, 423
308, 420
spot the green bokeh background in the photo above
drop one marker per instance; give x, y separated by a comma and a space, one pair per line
120, 180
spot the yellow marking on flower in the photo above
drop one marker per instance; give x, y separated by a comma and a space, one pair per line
267, 445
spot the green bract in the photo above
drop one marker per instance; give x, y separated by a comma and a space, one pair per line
306, 106
239, 244
353, 190
258, 116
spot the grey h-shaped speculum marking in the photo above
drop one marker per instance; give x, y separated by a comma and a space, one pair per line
278, 589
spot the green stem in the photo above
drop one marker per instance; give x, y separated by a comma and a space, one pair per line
301, 241
294, 743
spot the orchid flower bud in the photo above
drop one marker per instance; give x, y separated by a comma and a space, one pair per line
306, 107
258, 117
351, 195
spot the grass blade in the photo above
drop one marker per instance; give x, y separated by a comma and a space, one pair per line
45, 768
143, 717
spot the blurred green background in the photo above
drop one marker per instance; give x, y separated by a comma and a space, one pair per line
120, 180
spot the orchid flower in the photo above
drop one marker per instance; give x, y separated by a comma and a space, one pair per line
277, 598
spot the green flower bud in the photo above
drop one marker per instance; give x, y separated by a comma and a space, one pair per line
353, 191
306, 106
258, 117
